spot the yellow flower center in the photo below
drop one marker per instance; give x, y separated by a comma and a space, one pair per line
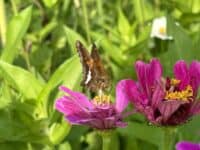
162, 30
102, 100
174, 82
183, 95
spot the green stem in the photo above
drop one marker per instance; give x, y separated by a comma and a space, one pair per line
141, 2
26, 57
106, 139
2, 22
85, 14
100, 9
14, 7
39, 5
169, 135
157, 7
162, 43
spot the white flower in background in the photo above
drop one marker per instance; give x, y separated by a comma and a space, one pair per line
159, 29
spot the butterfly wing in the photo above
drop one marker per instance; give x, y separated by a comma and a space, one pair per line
99, 73
94, 74
86, 61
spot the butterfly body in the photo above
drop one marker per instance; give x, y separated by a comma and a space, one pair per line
95, 77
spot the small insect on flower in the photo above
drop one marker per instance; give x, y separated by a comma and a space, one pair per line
184, 145
95, 77
159, 29
166, 101
99, 112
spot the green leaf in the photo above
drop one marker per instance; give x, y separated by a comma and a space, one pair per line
196, 6
190, 130
93, 140
50, 3
189, 18
75, 136
47, 29
21, 80
13, 145
184, 7
123, 24
182, 42
125, 28
114, 141
65, 146
69, 72
130, 143
143, 10
5, 97
72, 36
143, 132
17, 28
109, 48
18, 126
59, 131
180, 47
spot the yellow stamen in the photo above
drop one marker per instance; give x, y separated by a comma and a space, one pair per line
183, 95
101, 100
174, 81
162, 30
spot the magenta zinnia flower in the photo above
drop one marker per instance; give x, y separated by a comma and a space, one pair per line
97, 113
184, 145
166, 101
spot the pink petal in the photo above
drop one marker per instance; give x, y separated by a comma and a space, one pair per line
137, 96
184, 145
109, 122
121, 124
148, 74
194, 71
123, 94
155, 70
67, 106
157, 96
195, 109
168, 107
78, 97
92, 122
181, 73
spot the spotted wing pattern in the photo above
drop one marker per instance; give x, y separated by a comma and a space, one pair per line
95, 76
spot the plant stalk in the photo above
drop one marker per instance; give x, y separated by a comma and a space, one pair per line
100, 9
106, 140
157, 7
14, 7
141, 2
169, 135
85, 14
2, 22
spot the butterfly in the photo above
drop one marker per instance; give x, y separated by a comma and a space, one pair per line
95, 77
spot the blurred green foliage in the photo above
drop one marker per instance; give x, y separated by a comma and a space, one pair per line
37, 54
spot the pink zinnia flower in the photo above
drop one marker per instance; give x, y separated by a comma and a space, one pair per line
184, 145
97, 113
165, 101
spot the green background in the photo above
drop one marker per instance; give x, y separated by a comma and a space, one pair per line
37, 54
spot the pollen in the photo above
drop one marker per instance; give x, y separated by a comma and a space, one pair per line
102, 100
162, 30
174, 82
183, 95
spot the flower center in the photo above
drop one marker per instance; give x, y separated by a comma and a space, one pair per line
173, 94
174, 82
162, 30
102, 100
